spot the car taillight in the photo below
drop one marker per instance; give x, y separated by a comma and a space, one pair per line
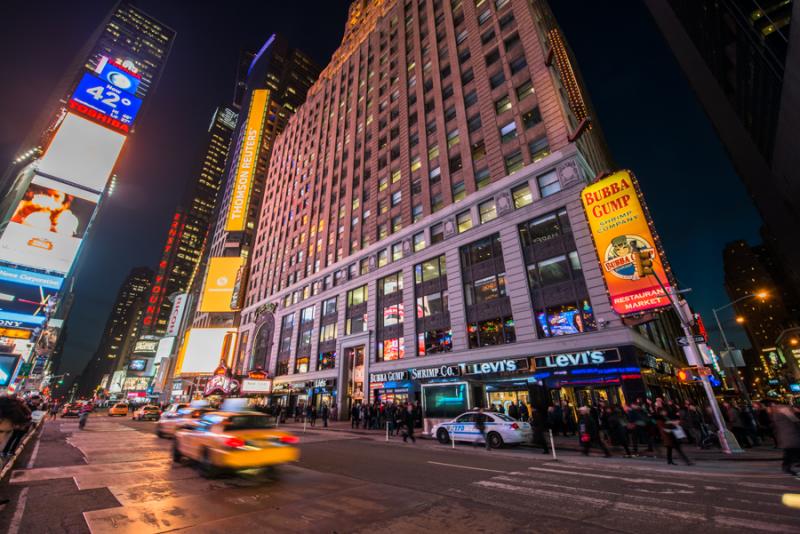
515, 426
234, 443
290, 440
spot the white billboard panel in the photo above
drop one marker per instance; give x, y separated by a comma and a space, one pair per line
82, 152
203, 348
164, 348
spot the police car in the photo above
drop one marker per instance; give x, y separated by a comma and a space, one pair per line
500, 429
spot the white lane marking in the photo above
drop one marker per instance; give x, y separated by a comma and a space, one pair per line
468, 467
16, 520
34, 454
747, 524
610, 477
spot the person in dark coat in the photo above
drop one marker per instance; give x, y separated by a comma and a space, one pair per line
539, 425
523, 411
513, 411
786, 427
615, 426
589, 432
409, 421
480, 424
313, 416
670, 438
354, 416
325, 414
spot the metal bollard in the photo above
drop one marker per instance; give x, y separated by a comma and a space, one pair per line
453, 439
304, 425
387, 430
552, 444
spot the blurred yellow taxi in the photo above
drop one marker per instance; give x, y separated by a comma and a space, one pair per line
118, 409
235, 441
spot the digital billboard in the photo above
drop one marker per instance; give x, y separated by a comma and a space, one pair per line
137, 365
8, 364
46, 228
164, 348
118, 76
108, 100
219, 284
248, 158
623, 239
203, 348
82, 152
27, 292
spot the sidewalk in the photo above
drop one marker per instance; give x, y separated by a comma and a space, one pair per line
562, 443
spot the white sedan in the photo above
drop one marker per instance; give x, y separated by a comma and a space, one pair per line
500, 429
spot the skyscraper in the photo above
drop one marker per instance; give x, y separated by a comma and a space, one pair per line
742, 57
422, 220
189, 227
122, 316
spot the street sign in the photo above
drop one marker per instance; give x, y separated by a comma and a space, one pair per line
684, 341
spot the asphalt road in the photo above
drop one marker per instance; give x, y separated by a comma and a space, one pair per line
118, 477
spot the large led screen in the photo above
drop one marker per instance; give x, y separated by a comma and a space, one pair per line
203, 348
83, 153
46, 228
107, 99
219, 284
27, 292
8, 364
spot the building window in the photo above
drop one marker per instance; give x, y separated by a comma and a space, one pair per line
464, 221
430, 269
357, 296
416, 213
391, 349
491, 332
329, 307
482, 178
437, 233
434, 341
392, 315
548, 184
356, 324
497, 80
485, 289
539, 149
531, 118
437, 202
524, 90
514, 162
459, 192
397, 196
508, 132
327, 333
487, 211
470, 98
502, 105
397, 223
517, 65
383, 257
545, 228
391, 284
419, 241
363, 266
432, 304
522, 196
397, 252
327, 360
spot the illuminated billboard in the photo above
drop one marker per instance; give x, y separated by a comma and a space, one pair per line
27, 292
203, 348
624, 244
118, 76
219, 284
82, 153
248, 158
117, 106
47, 227
8, 364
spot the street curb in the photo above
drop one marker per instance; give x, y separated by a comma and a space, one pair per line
737, 458
20, 449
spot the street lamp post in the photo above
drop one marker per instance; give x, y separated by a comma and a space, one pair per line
732, 369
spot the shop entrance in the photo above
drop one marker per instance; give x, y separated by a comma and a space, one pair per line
354, 356
588, 395
504, 399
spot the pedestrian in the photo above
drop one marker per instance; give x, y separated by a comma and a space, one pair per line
637, 426
15, 419
671, 436
568, 418
615, 426
84, 416
409, 423
354, 416
523, 411
391, 417
480, 424
692, 423
325, 414
589, 432
763, 423
733, 419
539, 425
786, 428
53, 410
418, 414
313, 418
308, 412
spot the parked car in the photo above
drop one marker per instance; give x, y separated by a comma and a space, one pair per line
235, 441
149, 412
119, 408
500, 429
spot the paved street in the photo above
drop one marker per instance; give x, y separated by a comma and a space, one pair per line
117, 477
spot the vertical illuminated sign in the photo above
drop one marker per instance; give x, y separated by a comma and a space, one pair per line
248, 158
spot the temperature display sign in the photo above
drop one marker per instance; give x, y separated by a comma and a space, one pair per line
106, 102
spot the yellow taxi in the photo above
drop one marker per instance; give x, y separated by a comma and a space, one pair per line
234, 441
118, 409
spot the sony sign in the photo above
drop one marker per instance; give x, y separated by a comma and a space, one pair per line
577, 359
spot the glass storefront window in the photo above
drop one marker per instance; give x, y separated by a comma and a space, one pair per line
491, 332
434, 341
327, 360
565, 319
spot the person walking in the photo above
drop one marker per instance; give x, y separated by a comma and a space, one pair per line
589, 432
763, 423
539, 425
513, 410
84, 416
354, 416
313, 417
334, 413
53, 410
325, 414
480, 424
786, 428
524, 415
615, 426
671, 436
409, 424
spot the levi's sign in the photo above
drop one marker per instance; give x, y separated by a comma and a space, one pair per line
577, 359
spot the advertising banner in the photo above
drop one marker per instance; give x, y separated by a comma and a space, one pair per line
118, 76
19, 320
250, 385
203, 348
106, 99
26, 292
176, 315
248, 158
46, 229
219, 284
625, 244
82, 152
116, 382
47, 341
15, 333
8, 364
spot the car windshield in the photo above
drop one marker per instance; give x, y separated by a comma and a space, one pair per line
249, 422
150, 408
503, 417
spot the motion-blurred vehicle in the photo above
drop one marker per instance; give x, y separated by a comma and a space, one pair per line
500, 429
71, 410
235, 441
149, 412
184, 417
119, 408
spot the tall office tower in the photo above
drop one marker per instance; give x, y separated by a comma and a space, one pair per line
422, 220
123, 314
189, 228
742, 58
269, 89
76, 147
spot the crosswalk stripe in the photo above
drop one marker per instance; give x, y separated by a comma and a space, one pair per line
611, 477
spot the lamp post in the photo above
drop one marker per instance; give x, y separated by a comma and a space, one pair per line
732, 369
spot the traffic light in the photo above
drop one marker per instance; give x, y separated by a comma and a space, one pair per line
644, 263
688, 374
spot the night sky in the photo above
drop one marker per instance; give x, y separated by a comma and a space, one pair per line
651, 119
